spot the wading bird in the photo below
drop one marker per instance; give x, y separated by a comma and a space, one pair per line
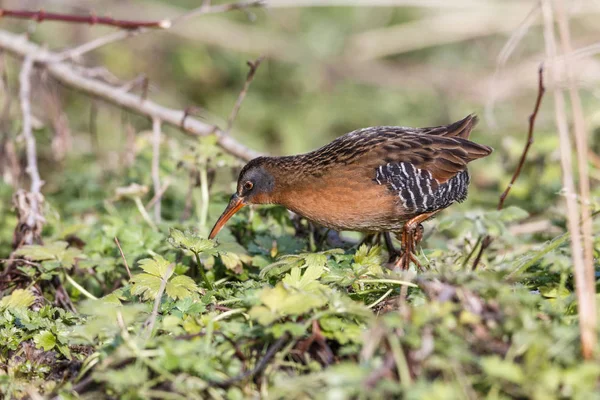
374, 180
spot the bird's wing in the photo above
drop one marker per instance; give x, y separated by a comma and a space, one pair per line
443, 157
427, 172
461, 129
443, 151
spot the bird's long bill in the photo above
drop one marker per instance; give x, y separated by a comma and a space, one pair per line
235, 204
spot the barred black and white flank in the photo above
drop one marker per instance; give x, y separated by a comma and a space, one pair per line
418, 191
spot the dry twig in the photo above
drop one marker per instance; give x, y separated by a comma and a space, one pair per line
159, 194
504, 55
487, 240
28, 204
584, 285
260, 366
249, 78
132, 28
123, 257
156, 134
91, 19
72, 76
581, 143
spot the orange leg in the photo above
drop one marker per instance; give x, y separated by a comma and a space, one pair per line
412, 234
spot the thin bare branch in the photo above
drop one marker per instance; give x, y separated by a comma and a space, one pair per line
73, 77
123, 257
436, 4
156, 135
532, 117
130, 31
163, 284
504, 55
206, 8
91, 19
159, 195
585, 278
24, 94
77, 52
260, 366
249, 78
487, 240
30, 215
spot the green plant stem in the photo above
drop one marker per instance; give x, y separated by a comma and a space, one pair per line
202, 274
230, 313
205, 197
379, 300
390, 281
477, 243
229, 301
80, 288
142, 210
401, 363
551, 246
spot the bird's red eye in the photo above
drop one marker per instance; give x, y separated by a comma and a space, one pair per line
248, 185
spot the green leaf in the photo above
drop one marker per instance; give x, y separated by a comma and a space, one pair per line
553, 291
50, 251
312, 273
280, 301
157, 266
145, 285
511, 214
191, 241
181, 287
496, 367
45, 340
369, 259
129, 377
18, 299
230, 260
56, 251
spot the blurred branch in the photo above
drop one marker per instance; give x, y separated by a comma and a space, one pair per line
78, 51
450, 27
28, 204
504, 55
260, 365
581, 142
487, 240
91, 19
582, 255
532, 117
74, 77
123, 257
249, 78
156, 134
24, 94
128, 28
206, 8
444, 4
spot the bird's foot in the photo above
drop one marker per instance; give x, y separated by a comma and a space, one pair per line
404, 260
411, 235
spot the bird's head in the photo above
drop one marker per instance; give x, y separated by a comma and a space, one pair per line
255, 186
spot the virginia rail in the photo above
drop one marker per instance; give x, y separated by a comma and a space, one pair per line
372, 180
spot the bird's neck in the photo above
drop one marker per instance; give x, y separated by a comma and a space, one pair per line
292, 174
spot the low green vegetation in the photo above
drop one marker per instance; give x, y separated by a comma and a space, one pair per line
115, 303
275, 309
